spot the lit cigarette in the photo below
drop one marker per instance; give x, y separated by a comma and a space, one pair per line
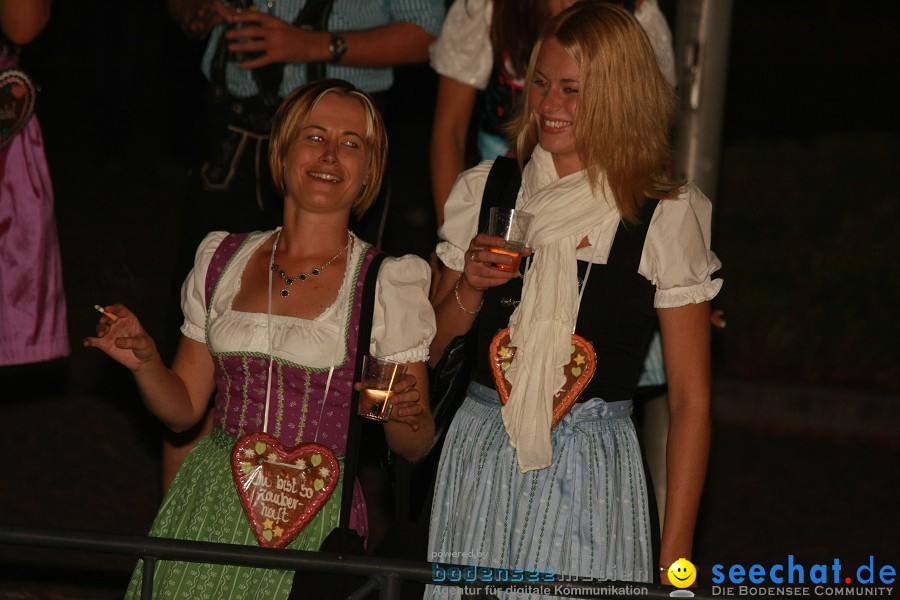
111, 316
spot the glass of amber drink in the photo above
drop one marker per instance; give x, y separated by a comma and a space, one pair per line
378, 378
512, 225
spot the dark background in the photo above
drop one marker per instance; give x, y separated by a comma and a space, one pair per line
806, 388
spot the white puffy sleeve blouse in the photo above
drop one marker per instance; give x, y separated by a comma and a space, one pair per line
676, 258
463, 51
402, 328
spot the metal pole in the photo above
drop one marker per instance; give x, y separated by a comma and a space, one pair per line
702, 35
147, 578
385, 573
364, 590
390, 587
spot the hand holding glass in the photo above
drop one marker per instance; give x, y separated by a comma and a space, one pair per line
512, 225
378, 378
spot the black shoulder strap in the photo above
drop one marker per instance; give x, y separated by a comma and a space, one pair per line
351, 456
501, 188
628, 244
314, 16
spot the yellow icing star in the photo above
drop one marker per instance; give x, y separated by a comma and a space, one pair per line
273, 457
248, 453
324, 472
504, 352
579, 360
267, 524
279, 532
301, 464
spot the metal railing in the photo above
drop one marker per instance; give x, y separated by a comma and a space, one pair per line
384, 574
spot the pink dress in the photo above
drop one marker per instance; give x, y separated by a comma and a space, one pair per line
32, 303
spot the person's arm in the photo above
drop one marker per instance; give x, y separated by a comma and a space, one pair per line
23, 20
452, 113
686, 338
450, 319
459, 295
176, 447
387, 46
178, 396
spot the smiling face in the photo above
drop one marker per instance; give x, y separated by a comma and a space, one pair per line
682, 573
327, 166
553, 103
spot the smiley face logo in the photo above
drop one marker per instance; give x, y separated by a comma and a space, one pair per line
682, 573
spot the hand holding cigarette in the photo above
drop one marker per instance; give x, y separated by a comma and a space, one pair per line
121, 335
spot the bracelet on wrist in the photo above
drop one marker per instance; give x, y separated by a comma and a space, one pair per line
459, 302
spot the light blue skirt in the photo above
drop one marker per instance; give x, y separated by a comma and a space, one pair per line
586, 515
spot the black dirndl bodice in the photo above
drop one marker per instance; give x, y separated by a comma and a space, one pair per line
616, 315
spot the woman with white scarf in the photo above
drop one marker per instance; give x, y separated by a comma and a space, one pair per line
514, 490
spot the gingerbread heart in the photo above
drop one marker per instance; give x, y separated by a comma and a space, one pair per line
578, 371
281, 490
17, 94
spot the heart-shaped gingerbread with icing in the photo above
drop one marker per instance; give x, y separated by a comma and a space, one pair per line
17, 95
578, 371
281, 490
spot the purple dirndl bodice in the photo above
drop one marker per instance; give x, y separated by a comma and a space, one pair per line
297, 412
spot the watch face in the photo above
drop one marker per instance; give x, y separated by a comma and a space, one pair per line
338, 47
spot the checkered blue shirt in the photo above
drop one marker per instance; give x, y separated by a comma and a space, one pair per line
346, 15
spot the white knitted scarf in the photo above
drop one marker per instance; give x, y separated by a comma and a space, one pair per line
565, 211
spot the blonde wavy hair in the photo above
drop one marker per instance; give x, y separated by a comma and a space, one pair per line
293, 114
625, 106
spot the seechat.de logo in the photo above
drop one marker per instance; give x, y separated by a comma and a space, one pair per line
794, 578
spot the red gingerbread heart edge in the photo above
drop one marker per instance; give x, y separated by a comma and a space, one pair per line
564, 404
309, 512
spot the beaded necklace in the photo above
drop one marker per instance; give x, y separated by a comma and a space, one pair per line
302, 276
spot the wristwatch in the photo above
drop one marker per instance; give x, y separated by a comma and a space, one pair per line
337, 47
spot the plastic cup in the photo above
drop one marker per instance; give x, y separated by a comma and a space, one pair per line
512, 225
378, 378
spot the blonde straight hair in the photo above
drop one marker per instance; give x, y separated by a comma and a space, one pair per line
625, 106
